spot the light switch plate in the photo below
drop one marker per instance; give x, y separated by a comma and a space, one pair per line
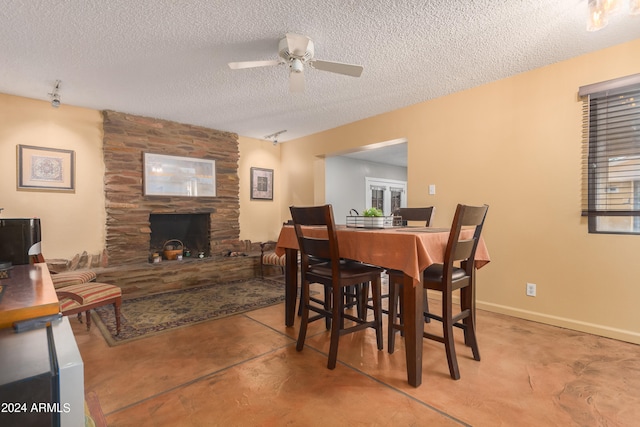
432, 189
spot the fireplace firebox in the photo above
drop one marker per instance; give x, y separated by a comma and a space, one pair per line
193, 230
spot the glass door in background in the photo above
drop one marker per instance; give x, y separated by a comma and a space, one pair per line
385, 194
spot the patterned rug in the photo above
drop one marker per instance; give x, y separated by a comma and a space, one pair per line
145, 316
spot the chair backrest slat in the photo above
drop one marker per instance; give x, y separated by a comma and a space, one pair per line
464, 249
318, 248
416, 214
473, 216
314, 246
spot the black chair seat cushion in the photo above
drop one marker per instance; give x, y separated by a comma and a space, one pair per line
434, 273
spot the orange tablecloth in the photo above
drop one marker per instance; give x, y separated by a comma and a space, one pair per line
410, 250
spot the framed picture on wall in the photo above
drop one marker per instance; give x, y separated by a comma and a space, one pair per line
261, 184
45, 169
178, 176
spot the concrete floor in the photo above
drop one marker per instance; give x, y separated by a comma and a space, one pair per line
244, 370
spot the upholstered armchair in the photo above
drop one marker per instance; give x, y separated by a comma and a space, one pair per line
269, 257
79, 293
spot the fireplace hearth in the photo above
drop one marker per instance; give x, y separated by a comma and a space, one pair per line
193, 230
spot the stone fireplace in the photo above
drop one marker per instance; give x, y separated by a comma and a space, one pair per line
129, 240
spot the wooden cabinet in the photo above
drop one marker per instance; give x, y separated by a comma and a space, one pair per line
41, 370
28, 293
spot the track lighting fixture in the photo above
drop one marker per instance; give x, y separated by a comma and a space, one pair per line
55, 96
274, 136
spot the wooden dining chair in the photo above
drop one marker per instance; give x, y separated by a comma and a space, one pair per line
405, 215
415, 214
447, 278
321, 263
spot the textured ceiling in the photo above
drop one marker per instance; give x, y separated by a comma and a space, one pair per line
168, 58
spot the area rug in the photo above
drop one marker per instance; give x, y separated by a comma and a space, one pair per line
149, 315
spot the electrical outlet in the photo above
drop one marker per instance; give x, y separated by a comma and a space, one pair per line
531, 289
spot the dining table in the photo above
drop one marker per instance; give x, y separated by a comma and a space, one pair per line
409, 249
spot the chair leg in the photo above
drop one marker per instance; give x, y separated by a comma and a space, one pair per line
336, 321
395, 319
87, 315
376, 290
357, 295
394, 290
467, 303
347, 298
363, 300
447, 329
116, 308
427, 319
302, 333
327, 306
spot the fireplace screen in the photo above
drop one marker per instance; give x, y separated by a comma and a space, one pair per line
193, 230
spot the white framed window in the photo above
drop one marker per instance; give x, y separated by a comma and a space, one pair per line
611, 155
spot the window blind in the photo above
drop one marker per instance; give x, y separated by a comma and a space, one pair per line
611, 155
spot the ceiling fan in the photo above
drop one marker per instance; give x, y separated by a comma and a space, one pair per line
296, 51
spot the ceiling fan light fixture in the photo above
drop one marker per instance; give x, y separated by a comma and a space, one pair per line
611, 6
296, 66
597, 19
296, 51
600, 10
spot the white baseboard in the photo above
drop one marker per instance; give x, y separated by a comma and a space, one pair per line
562, 322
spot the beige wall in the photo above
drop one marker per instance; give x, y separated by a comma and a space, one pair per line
259, 219
75, 222
515, 145
71, 222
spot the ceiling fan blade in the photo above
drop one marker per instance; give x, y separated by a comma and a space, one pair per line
337, 67
253, 64
297, 44
296, 82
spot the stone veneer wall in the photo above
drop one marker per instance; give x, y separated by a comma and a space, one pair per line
126, 138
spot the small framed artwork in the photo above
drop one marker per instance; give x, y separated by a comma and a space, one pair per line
261, 184
45, 169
